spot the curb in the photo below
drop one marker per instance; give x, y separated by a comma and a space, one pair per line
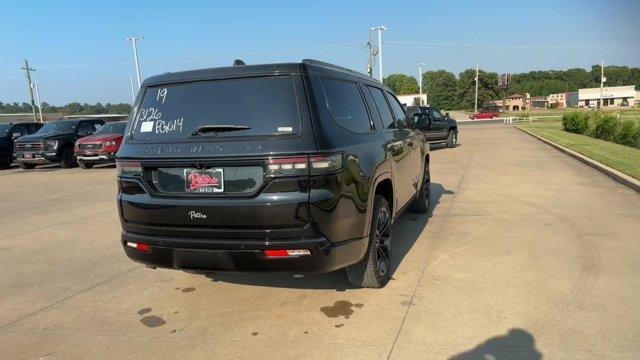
616, 175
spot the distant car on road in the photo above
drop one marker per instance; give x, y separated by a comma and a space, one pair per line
100, 147
435, 126
8, 134
54, 143
485, 114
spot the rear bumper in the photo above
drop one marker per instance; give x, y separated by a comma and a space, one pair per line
207, 255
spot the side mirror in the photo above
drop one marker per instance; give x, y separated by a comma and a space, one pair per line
16, 135
446, 115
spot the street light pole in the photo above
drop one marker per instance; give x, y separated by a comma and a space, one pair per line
601, 83
133, 39
380, 29
420, 81
35, 86
475, 107
133, 92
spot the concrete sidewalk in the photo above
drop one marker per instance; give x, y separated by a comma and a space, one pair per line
527, 253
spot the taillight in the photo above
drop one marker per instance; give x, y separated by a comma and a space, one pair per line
304, 165
128, 167
325, 163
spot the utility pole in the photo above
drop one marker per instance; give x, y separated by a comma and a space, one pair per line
369, 62
28, 70
133, 92
420, 81
35, 86
380, 29
475, 107
602, 80
133, 39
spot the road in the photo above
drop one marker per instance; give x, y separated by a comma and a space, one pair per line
527, 253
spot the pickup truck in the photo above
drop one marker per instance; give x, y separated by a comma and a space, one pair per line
435, 126
8, 134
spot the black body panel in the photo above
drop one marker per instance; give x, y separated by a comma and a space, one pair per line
327, 212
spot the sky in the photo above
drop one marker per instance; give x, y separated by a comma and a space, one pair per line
80, 53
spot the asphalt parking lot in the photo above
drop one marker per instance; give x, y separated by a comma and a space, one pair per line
527, 253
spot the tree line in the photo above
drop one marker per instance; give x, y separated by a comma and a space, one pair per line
73, 108
448, 91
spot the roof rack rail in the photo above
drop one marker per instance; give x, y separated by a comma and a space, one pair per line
331, 66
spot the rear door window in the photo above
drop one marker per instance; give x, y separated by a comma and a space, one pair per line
260, 106
401, 117
383, 108
345, 102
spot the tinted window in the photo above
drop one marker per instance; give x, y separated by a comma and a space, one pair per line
436, 114
58, 127
96, 125
33, 128
19, 129
112, 128
346, 105
254, 106
383, 108
4, 129
85, 127
401, 117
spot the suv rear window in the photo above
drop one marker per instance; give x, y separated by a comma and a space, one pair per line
254, 106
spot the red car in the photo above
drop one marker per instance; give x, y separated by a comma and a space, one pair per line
101, 147
485, 114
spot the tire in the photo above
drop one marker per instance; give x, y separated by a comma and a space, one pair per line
372, 271
6, 158
85, 165
452, 138
422, 202
68, 158
26, 166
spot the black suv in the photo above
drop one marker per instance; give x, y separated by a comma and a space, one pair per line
296, 167
435, 126
54, 142
8, 134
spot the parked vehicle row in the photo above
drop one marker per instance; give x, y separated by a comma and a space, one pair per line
67, 142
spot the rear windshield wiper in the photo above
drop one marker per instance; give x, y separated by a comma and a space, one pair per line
205, 129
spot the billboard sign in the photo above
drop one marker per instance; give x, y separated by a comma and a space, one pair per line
504, 80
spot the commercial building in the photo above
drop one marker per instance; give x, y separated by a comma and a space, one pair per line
563, 100
412, 99
539, 102
515, 102
611, 96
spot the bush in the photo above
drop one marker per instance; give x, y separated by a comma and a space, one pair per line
604, 126
575, 122
628, 133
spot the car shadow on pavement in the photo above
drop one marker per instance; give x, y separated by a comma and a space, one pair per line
516, 344
406, 231
409, 226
